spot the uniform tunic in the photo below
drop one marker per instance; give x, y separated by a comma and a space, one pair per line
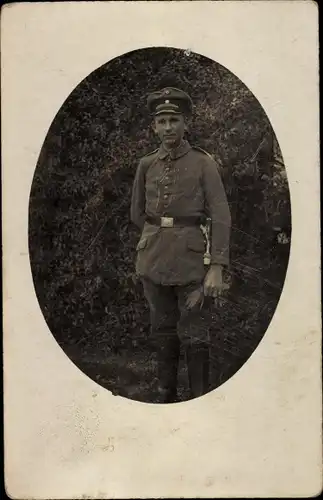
183, 182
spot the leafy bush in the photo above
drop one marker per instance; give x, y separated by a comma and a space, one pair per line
82, 244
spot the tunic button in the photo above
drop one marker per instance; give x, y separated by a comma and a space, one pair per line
165, 195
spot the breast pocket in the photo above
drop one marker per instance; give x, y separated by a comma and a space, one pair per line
188, 188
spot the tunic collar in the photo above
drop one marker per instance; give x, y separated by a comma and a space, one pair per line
181, 150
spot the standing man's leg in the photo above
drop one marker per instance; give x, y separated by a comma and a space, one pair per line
164, 316
194, 333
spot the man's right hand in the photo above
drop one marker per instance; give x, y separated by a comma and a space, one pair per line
195, 298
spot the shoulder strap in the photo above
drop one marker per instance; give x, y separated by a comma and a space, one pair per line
148, 160
151, 153
197, 148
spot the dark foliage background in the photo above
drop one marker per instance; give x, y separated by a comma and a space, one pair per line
82, 244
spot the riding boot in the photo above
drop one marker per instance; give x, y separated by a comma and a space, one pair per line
198, 360
167, 360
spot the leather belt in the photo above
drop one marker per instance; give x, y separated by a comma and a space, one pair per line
175, 221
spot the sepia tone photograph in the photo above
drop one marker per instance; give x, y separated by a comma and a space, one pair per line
159, 225
161, 250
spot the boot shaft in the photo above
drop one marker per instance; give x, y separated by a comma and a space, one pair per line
198, 366
168, 352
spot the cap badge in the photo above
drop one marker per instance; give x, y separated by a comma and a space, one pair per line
166, 92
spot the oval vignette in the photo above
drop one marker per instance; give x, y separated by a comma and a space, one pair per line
82, 244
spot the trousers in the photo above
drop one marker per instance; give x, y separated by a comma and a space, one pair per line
175, 320
171, 314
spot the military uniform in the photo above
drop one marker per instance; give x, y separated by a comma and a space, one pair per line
173, 192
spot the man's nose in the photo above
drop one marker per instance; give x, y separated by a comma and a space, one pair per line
168, 126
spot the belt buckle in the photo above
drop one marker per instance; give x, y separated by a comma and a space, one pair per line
167, 222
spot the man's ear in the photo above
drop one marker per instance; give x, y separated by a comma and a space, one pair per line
153, 126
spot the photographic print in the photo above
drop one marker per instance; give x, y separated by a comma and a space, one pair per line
161, 250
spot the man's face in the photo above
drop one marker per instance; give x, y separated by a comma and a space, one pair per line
170, 129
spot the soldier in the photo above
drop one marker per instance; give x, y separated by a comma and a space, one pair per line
175, 189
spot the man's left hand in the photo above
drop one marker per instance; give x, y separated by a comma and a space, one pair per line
213, 282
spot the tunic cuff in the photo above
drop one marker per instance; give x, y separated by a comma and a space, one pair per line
219, 259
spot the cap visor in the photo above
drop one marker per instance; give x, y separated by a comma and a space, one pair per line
167, 112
